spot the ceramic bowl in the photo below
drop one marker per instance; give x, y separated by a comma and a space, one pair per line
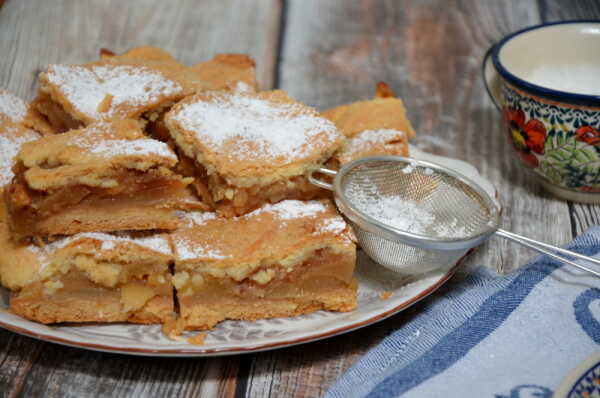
583, 381
553, 127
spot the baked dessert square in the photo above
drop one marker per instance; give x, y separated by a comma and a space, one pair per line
138, 84
90, 277
384, 112
106, 177
72, 96
281, 260
221, 72
246, 149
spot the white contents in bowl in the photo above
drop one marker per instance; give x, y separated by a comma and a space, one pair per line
579, 79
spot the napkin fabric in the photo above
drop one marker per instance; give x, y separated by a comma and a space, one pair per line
488, 335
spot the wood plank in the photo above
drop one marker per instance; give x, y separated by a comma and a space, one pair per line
69, 31
35, 34
430, 53
582, 215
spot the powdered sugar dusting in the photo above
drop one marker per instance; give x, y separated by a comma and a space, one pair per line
87, 87
335, 225
291, 209
403, 214
196, 217
257, 126
155, 243
12, 106
109, 148
145, 146
186, 250
366, 137
10, 145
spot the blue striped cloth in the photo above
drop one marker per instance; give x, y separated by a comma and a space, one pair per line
489, 336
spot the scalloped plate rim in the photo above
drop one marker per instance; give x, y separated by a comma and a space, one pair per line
32, 329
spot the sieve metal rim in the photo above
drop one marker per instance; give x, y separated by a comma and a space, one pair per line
370, 224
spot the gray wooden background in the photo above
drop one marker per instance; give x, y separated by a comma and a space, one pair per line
324, 53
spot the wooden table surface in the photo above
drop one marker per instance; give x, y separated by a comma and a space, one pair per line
323, 53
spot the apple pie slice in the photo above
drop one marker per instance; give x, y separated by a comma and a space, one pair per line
385, 111
286, 259
246, 149
106, 177
72, 96
375, 127
138, 84
89, 277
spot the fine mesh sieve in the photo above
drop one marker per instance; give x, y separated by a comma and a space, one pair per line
457, 214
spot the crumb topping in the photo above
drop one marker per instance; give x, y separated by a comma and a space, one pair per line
290, 209
187, 250
87, 88
335, 225
156, 243
94, 140
187, 247
195, 217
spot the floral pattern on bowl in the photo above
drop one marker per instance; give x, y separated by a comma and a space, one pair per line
560, 143
588, 385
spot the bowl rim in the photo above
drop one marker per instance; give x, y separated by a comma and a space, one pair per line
557, 95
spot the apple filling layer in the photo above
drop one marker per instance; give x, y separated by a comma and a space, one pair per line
230, 200
323, 281
122, 204
73, 297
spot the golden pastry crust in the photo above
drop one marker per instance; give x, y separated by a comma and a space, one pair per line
103, 91
221, 72
382, 112
253, 148
227, 71
138, 84
281, 260
89, 156
238, 152
106, 177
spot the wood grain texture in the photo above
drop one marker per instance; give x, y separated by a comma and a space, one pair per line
328, 52
34, 34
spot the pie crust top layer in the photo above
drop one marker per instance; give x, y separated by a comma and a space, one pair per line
248, 137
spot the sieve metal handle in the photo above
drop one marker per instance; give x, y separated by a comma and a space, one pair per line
320, 183
551, 251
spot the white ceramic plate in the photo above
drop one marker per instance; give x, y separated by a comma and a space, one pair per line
234, 337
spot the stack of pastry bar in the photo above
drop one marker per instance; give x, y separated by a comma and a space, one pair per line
139, 189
